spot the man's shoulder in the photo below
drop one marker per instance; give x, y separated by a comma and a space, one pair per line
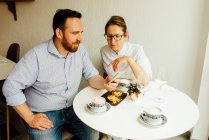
38, 49
42, 46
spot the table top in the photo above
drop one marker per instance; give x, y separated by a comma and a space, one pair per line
122, 120
6, 67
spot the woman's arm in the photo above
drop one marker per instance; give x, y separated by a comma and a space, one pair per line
136, 69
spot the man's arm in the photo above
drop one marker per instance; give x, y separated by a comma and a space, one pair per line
24, 75
39, 121
98, 82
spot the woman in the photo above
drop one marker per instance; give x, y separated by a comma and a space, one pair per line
124, 57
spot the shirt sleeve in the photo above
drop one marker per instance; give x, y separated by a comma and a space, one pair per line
88, 68
22, 76
144, 62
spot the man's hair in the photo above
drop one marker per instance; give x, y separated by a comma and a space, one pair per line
61, 16
116, 20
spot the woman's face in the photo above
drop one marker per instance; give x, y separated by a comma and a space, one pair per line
115, 37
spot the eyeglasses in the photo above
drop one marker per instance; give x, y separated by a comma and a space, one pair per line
116, 37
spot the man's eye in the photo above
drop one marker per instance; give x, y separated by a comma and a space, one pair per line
75, 33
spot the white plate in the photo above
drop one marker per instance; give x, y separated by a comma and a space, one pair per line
164, 120
105, 109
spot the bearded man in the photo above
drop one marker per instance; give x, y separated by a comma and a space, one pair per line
50, 75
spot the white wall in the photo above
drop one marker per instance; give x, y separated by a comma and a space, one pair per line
200, 131
169, 30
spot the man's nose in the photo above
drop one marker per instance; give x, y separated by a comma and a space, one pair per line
80, 36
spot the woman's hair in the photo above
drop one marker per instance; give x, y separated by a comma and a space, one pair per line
116, 20
61, 16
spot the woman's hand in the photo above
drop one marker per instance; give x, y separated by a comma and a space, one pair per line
115, 63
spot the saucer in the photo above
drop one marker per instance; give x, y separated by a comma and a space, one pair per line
163, 118
105, 108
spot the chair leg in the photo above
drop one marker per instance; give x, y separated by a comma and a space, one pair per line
8, 122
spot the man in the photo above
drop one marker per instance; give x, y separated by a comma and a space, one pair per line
51, 73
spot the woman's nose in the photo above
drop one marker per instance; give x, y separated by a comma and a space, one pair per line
113, 42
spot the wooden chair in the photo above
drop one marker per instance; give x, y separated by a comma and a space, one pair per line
13, 54
66, 135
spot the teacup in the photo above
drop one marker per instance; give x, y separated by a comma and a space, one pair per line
98, 102
152, 115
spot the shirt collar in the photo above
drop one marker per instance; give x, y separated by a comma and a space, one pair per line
52, 49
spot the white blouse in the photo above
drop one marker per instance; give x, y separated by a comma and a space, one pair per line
129, 49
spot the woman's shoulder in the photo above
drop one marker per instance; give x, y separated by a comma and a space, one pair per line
134, 46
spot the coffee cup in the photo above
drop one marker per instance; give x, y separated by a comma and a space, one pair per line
98, 102
152, 115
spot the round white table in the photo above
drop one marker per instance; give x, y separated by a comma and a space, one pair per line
122, 120
6, 66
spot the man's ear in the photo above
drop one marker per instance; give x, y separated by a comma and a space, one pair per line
59, 33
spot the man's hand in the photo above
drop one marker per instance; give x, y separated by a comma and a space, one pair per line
40, 121
110, 86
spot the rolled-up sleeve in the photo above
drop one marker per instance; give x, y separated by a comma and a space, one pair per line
22, 76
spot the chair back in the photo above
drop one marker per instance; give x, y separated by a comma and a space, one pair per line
13, 52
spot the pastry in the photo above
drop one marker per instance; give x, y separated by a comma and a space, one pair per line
117, 93
112, 98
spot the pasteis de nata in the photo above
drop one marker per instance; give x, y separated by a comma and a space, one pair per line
112, 98
116, 93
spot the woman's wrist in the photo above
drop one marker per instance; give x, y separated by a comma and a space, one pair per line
128, 59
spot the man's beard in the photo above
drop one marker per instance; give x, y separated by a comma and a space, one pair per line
70, 47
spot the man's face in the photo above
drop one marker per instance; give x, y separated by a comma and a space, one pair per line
72, 34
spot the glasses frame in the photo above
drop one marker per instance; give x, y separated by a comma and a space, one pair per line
116, 37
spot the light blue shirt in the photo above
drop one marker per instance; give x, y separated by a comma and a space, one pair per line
51, 81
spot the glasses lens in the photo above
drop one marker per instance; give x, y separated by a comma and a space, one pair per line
117, 37
108, 37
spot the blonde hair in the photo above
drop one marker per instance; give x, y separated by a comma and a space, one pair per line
117, 20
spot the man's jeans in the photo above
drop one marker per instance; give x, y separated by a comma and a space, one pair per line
65, 117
